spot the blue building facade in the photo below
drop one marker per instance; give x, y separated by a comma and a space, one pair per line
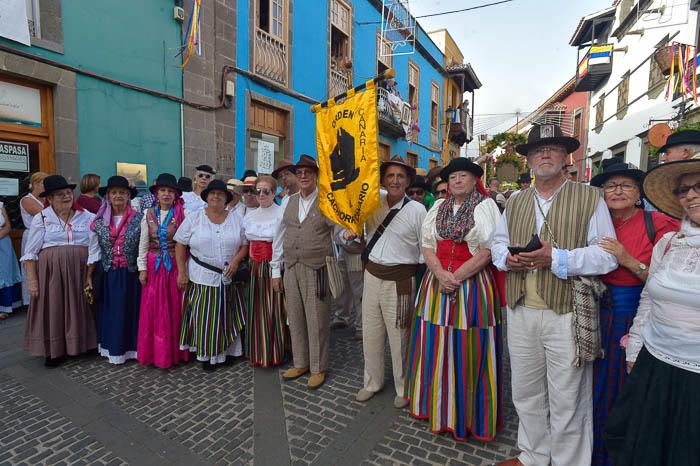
293, 54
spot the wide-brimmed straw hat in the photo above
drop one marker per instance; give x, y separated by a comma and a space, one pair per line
660, 182
54, 183
235, 185
116, 181
398, 161
217, 185
165, 180
540, 135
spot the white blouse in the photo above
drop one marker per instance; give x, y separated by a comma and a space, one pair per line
47, 231
145, 240
193, 202
260, 224
210, 243
668, 318
26, 216
486, 216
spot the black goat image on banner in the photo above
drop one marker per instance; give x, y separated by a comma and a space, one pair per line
343, 161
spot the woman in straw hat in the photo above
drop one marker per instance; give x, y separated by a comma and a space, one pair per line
60, 320
656, 417
161, 301
637, 232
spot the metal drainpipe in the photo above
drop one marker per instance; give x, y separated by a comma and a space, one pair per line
182, 140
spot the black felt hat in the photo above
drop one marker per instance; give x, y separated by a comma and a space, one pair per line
165, 180
185, 184
688, 136
54, 183
461, 164
206, 169
217, 185
547, 134
420, 182
618, 168
118, 181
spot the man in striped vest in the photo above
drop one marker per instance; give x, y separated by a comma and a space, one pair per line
552, 397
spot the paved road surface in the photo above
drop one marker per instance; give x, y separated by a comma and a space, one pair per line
87, 412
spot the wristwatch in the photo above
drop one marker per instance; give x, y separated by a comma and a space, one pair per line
641, 268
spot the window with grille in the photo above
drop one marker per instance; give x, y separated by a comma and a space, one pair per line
413, 86
623, 93
656, 75
600, 112
383, 48
341, 48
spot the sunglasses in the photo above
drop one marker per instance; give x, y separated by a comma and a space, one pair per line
682, 191
440, 192
248, 191
264, 192
415, 192
203, 175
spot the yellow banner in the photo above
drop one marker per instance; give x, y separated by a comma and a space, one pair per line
346, 142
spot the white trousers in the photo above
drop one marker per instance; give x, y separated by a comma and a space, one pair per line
553, 399
378, 321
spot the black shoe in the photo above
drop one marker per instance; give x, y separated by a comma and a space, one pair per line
53, 362
209, 367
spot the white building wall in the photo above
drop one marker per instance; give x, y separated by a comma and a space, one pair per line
635, 122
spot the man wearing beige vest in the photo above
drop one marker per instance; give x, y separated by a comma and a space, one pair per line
302, 242
553, 398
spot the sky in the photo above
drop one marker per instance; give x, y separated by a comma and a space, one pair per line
519, 50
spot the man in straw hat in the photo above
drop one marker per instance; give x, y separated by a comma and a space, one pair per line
553, 398
301, 244
202, 177
250, 198
393, 256
235, 186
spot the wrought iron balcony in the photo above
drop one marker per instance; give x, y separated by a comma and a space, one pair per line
270, 55
461, 127
391, 111
339, 82
594, 68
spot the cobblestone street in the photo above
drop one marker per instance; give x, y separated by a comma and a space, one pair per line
88, 412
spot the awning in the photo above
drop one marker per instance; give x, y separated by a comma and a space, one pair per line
585, 26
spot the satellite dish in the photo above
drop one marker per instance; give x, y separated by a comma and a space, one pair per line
658, 134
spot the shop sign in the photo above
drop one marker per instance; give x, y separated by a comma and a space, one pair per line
266, 157
20, 104
9, 187
14, 156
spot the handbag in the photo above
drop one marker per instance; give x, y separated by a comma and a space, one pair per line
586, 293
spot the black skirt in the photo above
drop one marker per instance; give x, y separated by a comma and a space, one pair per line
656, 418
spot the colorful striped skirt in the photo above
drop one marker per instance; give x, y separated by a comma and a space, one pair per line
267, 336
212, 322
454, 368
617, 310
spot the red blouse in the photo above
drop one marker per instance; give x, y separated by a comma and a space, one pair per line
633, 236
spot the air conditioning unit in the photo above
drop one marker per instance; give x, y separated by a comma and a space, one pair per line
178, 13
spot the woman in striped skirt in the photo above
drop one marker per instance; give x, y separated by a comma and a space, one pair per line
213, 316
267, 337
454, 369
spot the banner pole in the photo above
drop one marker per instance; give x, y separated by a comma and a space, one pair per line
386, 74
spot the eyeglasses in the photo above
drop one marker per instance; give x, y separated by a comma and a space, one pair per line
301, 172
440, 192
264, 192
683, 190
625, 187
415, 192
203, 175
542, 149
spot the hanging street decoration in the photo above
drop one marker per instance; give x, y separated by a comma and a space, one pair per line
192, 35
682, 79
